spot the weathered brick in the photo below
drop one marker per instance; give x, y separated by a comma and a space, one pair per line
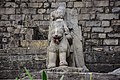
46, 17
84, 17
114, 35
89, 4
79, 4
15, 17
24, 5
93, 23
51, 0
102, 35
36, 5
110, 42
2, 10
116, 10
46, 5
117, 3
4, 17
108, 29
105, 23
44, 22
11, 4
54, 5
4, 40
69, 4
86, 35
97, 29
91, 10
107, 16
101, 3
87, 29
92, 16
41, 11
5, 23
94, 35
37, 17
92, 42
6, 34
115, 22
81, 23
10, 11
29, 11
38, 0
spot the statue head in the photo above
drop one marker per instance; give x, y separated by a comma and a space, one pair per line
58, 14
57, 31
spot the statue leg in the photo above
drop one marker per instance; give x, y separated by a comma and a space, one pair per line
52, 60
62, 57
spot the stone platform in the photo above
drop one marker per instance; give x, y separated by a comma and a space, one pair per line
73, 74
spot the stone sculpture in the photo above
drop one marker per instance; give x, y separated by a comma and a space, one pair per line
64, 38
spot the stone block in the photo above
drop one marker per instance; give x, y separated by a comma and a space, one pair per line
11, 5
105, 23
37, 17
41, 11
4, 40
86, 35
107, 16
116, 28
101, 3
88, 4
46, 17
94, 35
102, 35
84, 17
54, 5
51, 0
38, 0
16, 17
117, 3
93, 23
29, 11
91, 10
69, 4
2, 10
115, 22
36, 5
9, 11
92, 42
97, 29
46, 5
110, 42
109, 29
82, 23
92, 16
79, 4
87, 29
5, 23
44, 23
6, 34
116, 10
116, 35
4, 17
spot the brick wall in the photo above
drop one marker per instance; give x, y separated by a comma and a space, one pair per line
100, 20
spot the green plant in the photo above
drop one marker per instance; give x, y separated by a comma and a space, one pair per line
28, 73
44, 75
62, 77
90, 76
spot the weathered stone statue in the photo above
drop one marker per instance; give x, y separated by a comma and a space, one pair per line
65, 46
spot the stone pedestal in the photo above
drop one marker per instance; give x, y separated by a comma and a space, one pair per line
74, 74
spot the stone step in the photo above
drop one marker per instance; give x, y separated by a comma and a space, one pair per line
71, 73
